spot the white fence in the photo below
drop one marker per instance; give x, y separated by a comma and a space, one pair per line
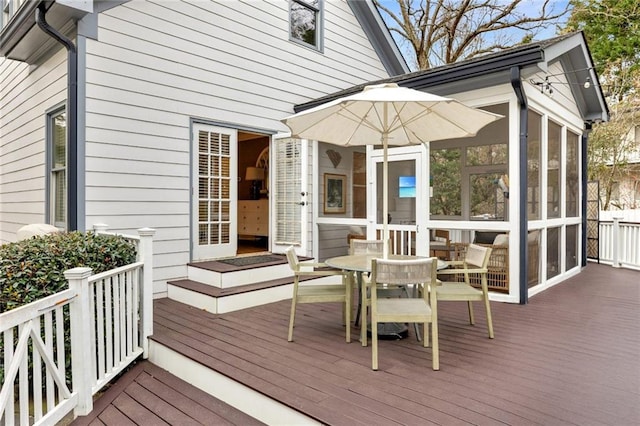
620, 243
110, 319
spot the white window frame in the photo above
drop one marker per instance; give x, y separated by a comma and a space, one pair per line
55, 171
319, 17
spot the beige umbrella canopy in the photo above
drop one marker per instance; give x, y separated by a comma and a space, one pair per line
387, 114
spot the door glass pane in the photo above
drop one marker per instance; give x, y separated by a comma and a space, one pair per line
214, 181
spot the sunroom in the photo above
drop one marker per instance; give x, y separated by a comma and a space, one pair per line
518, 185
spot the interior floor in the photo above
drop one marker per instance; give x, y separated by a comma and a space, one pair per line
255, 245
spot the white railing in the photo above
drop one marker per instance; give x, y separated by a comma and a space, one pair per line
620, 243
109, 322
403, 238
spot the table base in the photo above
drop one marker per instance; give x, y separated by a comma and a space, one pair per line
390, 331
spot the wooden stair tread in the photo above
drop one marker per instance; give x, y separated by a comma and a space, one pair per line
213, 291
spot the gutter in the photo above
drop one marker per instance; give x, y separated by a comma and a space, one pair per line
516, 83
72, 116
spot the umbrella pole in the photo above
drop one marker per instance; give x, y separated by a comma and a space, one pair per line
385, 198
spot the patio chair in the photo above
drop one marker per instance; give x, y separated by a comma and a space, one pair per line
374, 247
420, 273
475, 263
318, 293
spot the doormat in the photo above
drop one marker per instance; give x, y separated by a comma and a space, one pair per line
251, 260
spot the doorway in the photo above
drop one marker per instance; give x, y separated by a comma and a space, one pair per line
253, 193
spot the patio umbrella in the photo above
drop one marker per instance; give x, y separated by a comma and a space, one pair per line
387, 114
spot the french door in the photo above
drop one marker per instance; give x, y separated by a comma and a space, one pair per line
290, 205
214, 189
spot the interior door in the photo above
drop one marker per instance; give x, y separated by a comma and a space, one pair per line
288, 189
214, 192
407, 198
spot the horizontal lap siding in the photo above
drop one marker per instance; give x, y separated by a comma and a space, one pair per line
25, 96
156, 65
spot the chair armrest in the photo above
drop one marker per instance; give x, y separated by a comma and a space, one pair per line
462, 271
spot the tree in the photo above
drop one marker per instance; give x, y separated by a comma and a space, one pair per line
446, 31
612, 30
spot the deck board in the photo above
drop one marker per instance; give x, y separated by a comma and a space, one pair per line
569, 357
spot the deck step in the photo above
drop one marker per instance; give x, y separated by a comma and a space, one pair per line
221, 300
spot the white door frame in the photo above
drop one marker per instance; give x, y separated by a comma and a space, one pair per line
418, 154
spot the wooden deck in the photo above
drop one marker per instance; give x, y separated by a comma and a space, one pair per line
569, 357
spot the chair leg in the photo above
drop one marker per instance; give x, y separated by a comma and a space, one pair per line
472, 320
292, 317
489, 319
374, 345
363, 316
435, 351
347, 310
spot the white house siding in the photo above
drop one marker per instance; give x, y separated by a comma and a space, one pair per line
25, 97
158, 64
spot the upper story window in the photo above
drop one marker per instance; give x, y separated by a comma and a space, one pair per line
9, 8
305, 22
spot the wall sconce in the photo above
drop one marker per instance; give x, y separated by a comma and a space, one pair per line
256, 175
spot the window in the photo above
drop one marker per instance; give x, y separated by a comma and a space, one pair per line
573, 183
305, 20
57, 125
534, 130
554, 167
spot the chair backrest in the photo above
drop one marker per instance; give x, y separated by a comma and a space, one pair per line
366, 247
292, 258
477, 256
403, 272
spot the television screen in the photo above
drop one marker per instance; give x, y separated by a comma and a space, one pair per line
407, 187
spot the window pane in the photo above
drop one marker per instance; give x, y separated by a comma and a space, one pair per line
487, 155
553, 170
573, 147
303, 21
487, 199
534, 126
533, 258
58, 145
572, 246
446, 181
553, 252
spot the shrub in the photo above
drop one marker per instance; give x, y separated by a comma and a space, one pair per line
34, 268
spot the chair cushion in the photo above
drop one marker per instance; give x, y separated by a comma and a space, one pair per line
454, 289
501, 240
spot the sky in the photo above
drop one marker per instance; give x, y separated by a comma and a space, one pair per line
528, 7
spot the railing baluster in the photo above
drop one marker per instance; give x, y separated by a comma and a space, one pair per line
23, 383
100, 326
48, 340
36, 373
108, 330
9, 411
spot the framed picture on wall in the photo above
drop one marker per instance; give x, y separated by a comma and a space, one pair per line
335, 193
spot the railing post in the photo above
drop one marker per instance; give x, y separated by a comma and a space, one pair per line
79, 313
616, 241
145, 255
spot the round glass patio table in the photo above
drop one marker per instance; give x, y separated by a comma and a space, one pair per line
360, 263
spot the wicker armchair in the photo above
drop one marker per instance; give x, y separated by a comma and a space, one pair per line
498, 268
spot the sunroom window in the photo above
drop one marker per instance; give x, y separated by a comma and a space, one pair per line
58, 168
305, 21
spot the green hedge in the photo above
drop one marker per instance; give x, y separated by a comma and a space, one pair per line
34, 268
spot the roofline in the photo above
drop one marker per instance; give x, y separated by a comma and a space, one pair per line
379, 35
530, 54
